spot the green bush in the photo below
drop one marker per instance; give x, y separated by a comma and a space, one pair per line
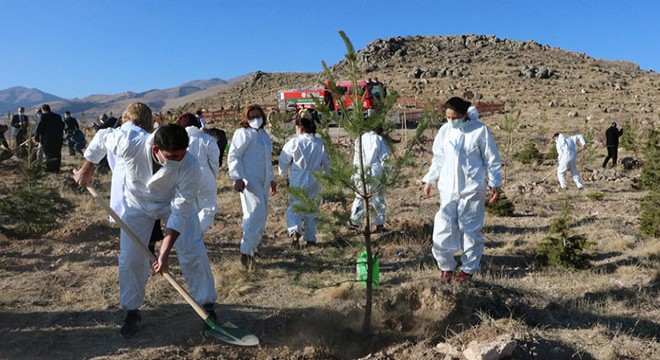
529, 153
632, 136
31, 211
552, 151
649, 220
501, 207
649, 179
596, 196
560, 248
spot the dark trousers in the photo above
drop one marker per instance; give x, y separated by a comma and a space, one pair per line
612, 153
53, 154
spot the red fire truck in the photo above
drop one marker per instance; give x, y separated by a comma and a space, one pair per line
372, 91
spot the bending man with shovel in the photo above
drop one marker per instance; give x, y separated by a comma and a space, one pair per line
162, 180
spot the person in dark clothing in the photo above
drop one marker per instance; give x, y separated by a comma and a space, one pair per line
612, 141
5, 151
19, 123
105, 122
220, 137
70, 127
50, 132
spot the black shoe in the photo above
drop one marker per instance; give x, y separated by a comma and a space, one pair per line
247, 261
310, 243
295, 240
380, 228
210, 309
131, 324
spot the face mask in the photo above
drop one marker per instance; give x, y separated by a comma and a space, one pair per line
166, 163
456, 124
256, 123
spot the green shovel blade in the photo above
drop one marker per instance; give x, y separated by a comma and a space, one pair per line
230, 333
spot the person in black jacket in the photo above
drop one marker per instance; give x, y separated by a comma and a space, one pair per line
19, 123
50, 132
612, 141
70, 127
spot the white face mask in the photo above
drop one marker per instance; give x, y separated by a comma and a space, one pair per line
457, 123
166, 163
256, 123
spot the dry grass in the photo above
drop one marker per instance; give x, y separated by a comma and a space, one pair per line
301, 301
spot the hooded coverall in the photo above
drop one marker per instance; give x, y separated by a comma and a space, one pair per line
567, 158
117, 200
206, 150
374, 157
167, 195
304, 155
249, 159
462, 157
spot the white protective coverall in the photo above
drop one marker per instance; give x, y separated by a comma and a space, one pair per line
249, 158
374, 156
463, 160
169, 195
567, 158
206, 150
304, 155
118, 168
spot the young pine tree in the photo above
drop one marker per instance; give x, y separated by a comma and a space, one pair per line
346, 180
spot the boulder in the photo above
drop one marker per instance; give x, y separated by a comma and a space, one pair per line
494, 350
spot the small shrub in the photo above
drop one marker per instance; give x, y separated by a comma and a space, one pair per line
31, 211
649, 220
632, 136
649, 179
501, 207
596, 196
559, 248
552, 151
530, 154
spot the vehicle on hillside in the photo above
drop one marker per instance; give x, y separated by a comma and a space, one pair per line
372, 91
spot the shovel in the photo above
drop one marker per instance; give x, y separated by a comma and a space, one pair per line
228, 333
545, 177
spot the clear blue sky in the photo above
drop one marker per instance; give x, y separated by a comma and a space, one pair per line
78, 48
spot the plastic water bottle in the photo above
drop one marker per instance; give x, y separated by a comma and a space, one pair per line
361, 270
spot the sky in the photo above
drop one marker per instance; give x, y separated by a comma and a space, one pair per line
76, 48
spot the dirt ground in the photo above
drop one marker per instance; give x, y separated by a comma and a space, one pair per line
59, 292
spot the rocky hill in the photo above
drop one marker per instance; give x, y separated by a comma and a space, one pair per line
543, 81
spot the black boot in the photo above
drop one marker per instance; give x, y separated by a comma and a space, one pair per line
131, 324
248, 262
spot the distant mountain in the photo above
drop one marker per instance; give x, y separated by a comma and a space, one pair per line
92, 106
12, 98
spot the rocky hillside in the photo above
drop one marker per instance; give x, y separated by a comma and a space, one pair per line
543, 81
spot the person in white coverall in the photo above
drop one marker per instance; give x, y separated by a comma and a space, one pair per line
303, 156
250, 166
567, 151
465, 161
204, 147
135, 118
162, 180
375, 156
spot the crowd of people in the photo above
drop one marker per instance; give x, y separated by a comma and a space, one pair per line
164, 185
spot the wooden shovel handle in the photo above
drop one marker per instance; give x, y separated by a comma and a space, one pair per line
198, 309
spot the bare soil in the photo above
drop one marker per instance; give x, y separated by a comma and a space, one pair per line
59, 292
